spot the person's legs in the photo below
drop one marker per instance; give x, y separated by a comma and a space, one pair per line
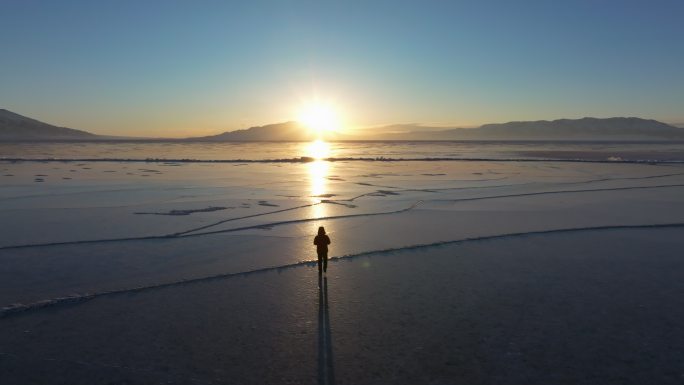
325, 262
320, 261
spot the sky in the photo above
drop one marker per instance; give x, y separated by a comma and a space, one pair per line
188, 68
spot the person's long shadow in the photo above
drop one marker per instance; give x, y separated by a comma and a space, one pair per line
326, 370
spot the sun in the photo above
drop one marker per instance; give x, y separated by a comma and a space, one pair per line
319, 117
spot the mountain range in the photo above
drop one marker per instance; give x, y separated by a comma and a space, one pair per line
15, 127
562, 129
278, 132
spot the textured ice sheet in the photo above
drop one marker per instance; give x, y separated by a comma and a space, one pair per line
37, 273
109, 247
104, 205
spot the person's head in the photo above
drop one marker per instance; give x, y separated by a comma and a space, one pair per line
321, 230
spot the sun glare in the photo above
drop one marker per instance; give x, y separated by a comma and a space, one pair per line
319, 117
318, 149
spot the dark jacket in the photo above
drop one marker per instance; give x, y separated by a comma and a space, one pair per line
321, 242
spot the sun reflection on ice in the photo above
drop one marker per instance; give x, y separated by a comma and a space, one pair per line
318, 176
318, 172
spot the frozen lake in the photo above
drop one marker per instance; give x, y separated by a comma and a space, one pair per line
475, 267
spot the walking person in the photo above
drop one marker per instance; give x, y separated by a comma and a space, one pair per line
322, 241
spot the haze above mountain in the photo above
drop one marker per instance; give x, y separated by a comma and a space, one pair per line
14, 127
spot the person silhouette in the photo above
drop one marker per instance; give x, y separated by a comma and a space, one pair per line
322, 241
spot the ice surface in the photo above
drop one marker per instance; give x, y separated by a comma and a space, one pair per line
110, 273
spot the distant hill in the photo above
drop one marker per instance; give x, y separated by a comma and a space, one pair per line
17, 127
279, 132
561, 129
585, 128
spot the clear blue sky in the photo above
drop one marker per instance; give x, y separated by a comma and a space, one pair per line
174, 68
